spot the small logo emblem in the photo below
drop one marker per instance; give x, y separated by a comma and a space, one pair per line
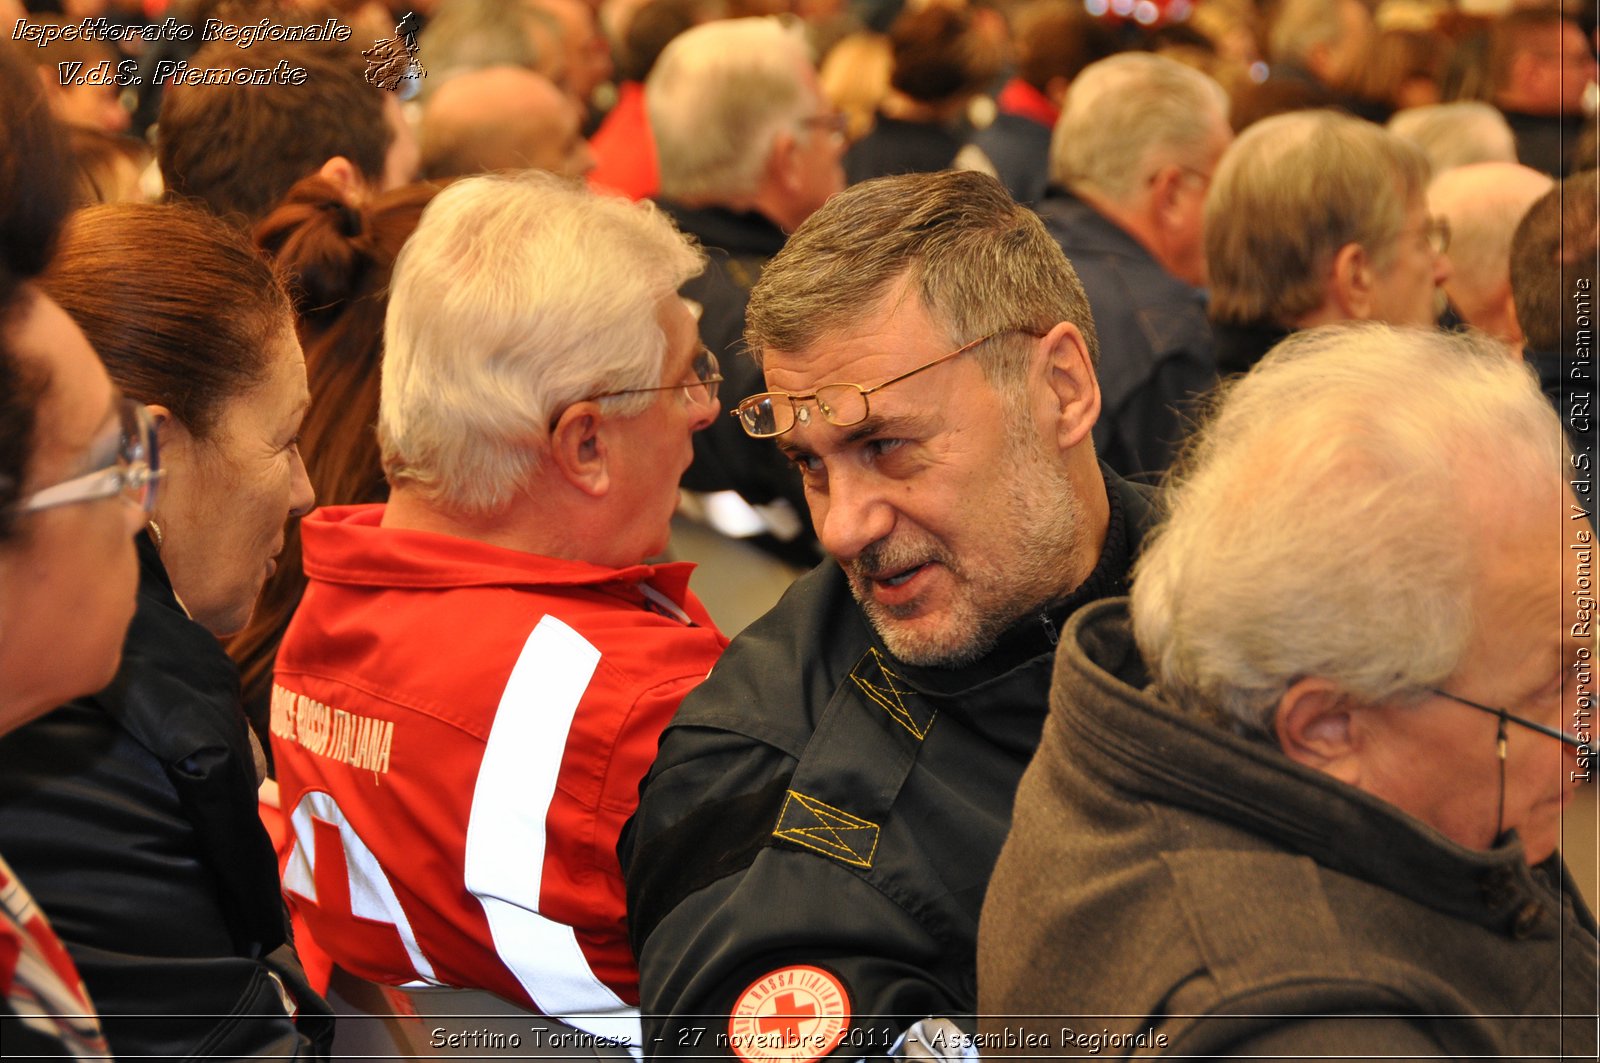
793, 1015
392, 63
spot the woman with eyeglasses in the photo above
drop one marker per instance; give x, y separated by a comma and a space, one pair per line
67, 568
131, 813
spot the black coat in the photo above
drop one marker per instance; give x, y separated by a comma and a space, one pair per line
1156, 352
739, 244
131, 816
818, 804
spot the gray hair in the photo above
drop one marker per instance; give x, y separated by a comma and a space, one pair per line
1457, 134
517, 296
1315, 526
1289, 193
1129, 115
464, 35
979, 263
717, 97
1483, 204
1300, 26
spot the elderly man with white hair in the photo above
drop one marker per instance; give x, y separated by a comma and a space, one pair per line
1483, 204
1301, 796
1131, 159
748, 149
474, 685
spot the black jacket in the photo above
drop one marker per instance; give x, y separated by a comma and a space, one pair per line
1176, 890
1155, 346
895, 146
817, 803
131, 815
739, 245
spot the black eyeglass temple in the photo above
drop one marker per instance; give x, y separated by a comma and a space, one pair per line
1544, 729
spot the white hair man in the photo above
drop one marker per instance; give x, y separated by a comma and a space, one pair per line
1482, 205
1313, 218
1316, 49
1456, 134
502, 118
1131, 159
1302, 796
476, 679
1320, 42
747, 149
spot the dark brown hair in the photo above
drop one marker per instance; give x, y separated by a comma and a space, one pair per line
238, 148
938, 54
1057, 40
182, 310
34, 199
1553, 264
338, 259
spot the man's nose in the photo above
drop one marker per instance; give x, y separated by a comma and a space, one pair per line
852, 512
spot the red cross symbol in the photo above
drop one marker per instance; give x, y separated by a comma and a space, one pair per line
788, 1016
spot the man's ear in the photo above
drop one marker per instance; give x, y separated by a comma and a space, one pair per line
1072, 382
1164, 188
1353, 284
783, 157
343, 173
579, 451
1508, 310
1313, 726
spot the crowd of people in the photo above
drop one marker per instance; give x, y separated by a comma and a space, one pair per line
1175, 426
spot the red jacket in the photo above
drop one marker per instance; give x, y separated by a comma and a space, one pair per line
459, 731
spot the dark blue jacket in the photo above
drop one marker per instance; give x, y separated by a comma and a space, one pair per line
1155, 346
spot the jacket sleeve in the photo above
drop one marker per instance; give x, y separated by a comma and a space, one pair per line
171, 967
743, 941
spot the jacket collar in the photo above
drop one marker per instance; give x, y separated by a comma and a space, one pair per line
736, 232
347, 545
1023, 100
1124, 732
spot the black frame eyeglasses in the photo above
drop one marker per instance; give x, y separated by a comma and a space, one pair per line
707, 375
1500, 744
772, 413
133, 471
1544, 729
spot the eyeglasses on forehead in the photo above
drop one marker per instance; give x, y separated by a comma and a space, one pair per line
133, 471
772, 413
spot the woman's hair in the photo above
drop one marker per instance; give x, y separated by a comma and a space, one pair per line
337, 259
182, 310
108, 166
34, 199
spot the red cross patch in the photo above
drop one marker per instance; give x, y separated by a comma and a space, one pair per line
793, 1015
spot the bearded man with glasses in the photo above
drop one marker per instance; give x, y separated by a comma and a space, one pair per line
470, 692
814, 840
1302, 796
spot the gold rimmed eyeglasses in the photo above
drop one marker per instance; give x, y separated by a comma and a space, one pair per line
772, 413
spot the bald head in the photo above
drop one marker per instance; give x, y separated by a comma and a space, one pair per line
1483, 204
500, 118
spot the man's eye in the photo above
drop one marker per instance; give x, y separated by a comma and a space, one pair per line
880, 447
808, 464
